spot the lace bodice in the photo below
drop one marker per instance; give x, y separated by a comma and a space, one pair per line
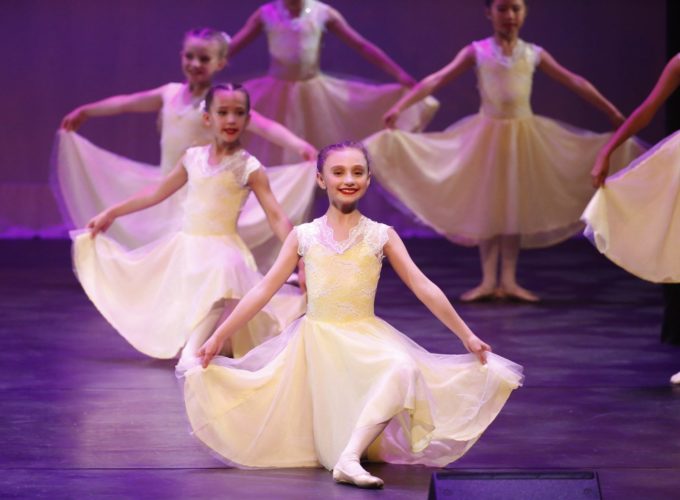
504, 82
342, 277
294, 43
216, 192
181, 127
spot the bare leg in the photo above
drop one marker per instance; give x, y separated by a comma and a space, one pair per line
349, 469
509, 256
488, 256
675, 379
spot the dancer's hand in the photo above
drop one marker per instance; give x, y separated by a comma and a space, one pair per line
308, 152
74, 119
209, 350
390, 118
100, 223
600, 170
477, 347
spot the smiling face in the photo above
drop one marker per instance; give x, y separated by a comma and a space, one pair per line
345, 176
201, 59
228, 115
507, 17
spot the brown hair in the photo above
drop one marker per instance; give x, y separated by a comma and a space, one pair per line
230, 87
326, 151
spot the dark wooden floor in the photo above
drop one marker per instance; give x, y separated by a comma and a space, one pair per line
84, 415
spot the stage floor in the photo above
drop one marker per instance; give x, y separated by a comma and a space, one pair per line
84, 415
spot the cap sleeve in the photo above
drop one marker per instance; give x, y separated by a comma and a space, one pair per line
376, 237
251, 165
192, 156
305, 236
535, 53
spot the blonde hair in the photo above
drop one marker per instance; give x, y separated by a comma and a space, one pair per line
212, 35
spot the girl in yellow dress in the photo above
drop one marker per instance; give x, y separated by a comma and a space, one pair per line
340, 382
88, 178
175, 290
505, 178
298, 94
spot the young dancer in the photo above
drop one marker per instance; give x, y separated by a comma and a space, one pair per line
504, 178
178, 288
90, 178
299, 95
635, 219
340, 382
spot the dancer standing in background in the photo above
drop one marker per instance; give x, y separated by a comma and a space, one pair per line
296, 93
505, 178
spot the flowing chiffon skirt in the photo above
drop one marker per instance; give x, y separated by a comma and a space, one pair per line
87, 179
635, 219
485, 177
325, 110
295, 400
155, 295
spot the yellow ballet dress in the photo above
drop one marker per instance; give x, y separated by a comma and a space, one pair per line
503, 171
295, 400
321, 108
155, 295
86, 179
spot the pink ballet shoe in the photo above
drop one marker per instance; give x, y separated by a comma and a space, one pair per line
361, 478
675, 379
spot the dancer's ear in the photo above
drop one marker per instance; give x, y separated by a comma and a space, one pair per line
319, 181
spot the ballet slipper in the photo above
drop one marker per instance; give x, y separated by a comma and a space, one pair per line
478, 294
675, 379
350, 471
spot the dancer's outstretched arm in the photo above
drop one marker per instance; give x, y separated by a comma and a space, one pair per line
254, 300
148, 197
581, 86
280, 135
464, 60
668, 82
431, 295
341, 28
147, 101
247, 33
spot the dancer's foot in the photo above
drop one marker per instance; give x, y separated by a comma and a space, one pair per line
516, 292
675, 379
350, 471
479, 293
